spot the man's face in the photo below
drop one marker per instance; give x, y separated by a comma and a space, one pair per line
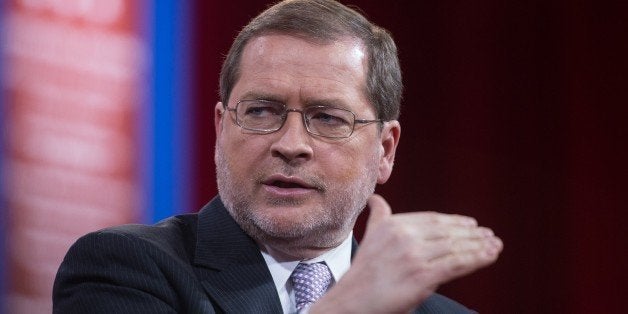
294, 192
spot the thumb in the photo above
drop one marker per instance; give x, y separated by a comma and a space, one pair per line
379, 211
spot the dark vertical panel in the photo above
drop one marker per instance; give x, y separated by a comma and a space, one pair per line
595, 80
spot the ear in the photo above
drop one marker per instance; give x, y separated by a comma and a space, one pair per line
390, 134
219, 111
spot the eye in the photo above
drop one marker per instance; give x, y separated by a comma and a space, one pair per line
330, 117
326, 118
261, 110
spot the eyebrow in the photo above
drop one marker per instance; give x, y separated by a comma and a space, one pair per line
330, 102
261, 95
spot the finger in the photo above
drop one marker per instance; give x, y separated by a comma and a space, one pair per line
434, 218
469, 256
432, 250
379, 210
458, 232
459, 245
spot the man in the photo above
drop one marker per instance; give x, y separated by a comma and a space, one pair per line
306, 128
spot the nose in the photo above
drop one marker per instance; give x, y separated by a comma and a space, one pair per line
293, 141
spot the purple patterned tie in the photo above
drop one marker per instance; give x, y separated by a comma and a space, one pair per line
310, 281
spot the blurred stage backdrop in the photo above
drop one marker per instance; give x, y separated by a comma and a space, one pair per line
514, 113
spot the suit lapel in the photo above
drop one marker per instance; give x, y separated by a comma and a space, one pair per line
354, 247
230, 266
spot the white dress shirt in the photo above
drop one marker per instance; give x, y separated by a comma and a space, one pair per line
337, 259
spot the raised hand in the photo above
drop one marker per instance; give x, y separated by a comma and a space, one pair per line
403, 258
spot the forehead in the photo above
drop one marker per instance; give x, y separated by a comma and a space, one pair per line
290, 66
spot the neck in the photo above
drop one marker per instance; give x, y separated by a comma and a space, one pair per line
285, 253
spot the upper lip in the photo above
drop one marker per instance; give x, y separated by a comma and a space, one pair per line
288, 181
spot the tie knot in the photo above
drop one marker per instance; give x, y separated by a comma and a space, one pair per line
310, 281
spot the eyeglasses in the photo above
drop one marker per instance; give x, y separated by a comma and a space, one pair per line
266, 116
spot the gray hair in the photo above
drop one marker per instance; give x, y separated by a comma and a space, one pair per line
325, 21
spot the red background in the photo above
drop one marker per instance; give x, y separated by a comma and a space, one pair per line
513, 113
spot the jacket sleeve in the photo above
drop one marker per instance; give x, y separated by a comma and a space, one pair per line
439, 304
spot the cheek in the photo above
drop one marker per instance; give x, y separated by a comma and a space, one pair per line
240, 154
348, 168
345, 165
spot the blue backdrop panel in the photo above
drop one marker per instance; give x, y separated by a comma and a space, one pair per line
168, 139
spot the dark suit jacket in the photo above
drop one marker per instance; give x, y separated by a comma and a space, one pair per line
194, 263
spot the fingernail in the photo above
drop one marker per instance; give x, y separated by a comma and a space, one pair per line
495, 243
492, 249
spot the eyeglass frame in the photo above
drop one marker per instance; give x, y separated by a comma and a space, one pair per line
284, 117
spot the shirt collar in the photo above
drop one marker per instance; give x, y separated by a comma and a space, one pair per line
337, 259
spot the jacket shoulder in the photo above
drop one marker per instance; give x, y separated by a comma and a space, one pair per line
175, 236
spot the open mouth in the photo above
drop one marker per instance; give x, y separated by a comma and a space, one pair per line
284, 182
287, 185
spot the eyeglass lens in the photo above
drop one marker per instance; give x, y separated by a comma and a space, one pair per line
268, 116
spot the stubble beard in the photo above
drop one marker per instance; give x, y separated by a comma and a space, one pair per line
319, 228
